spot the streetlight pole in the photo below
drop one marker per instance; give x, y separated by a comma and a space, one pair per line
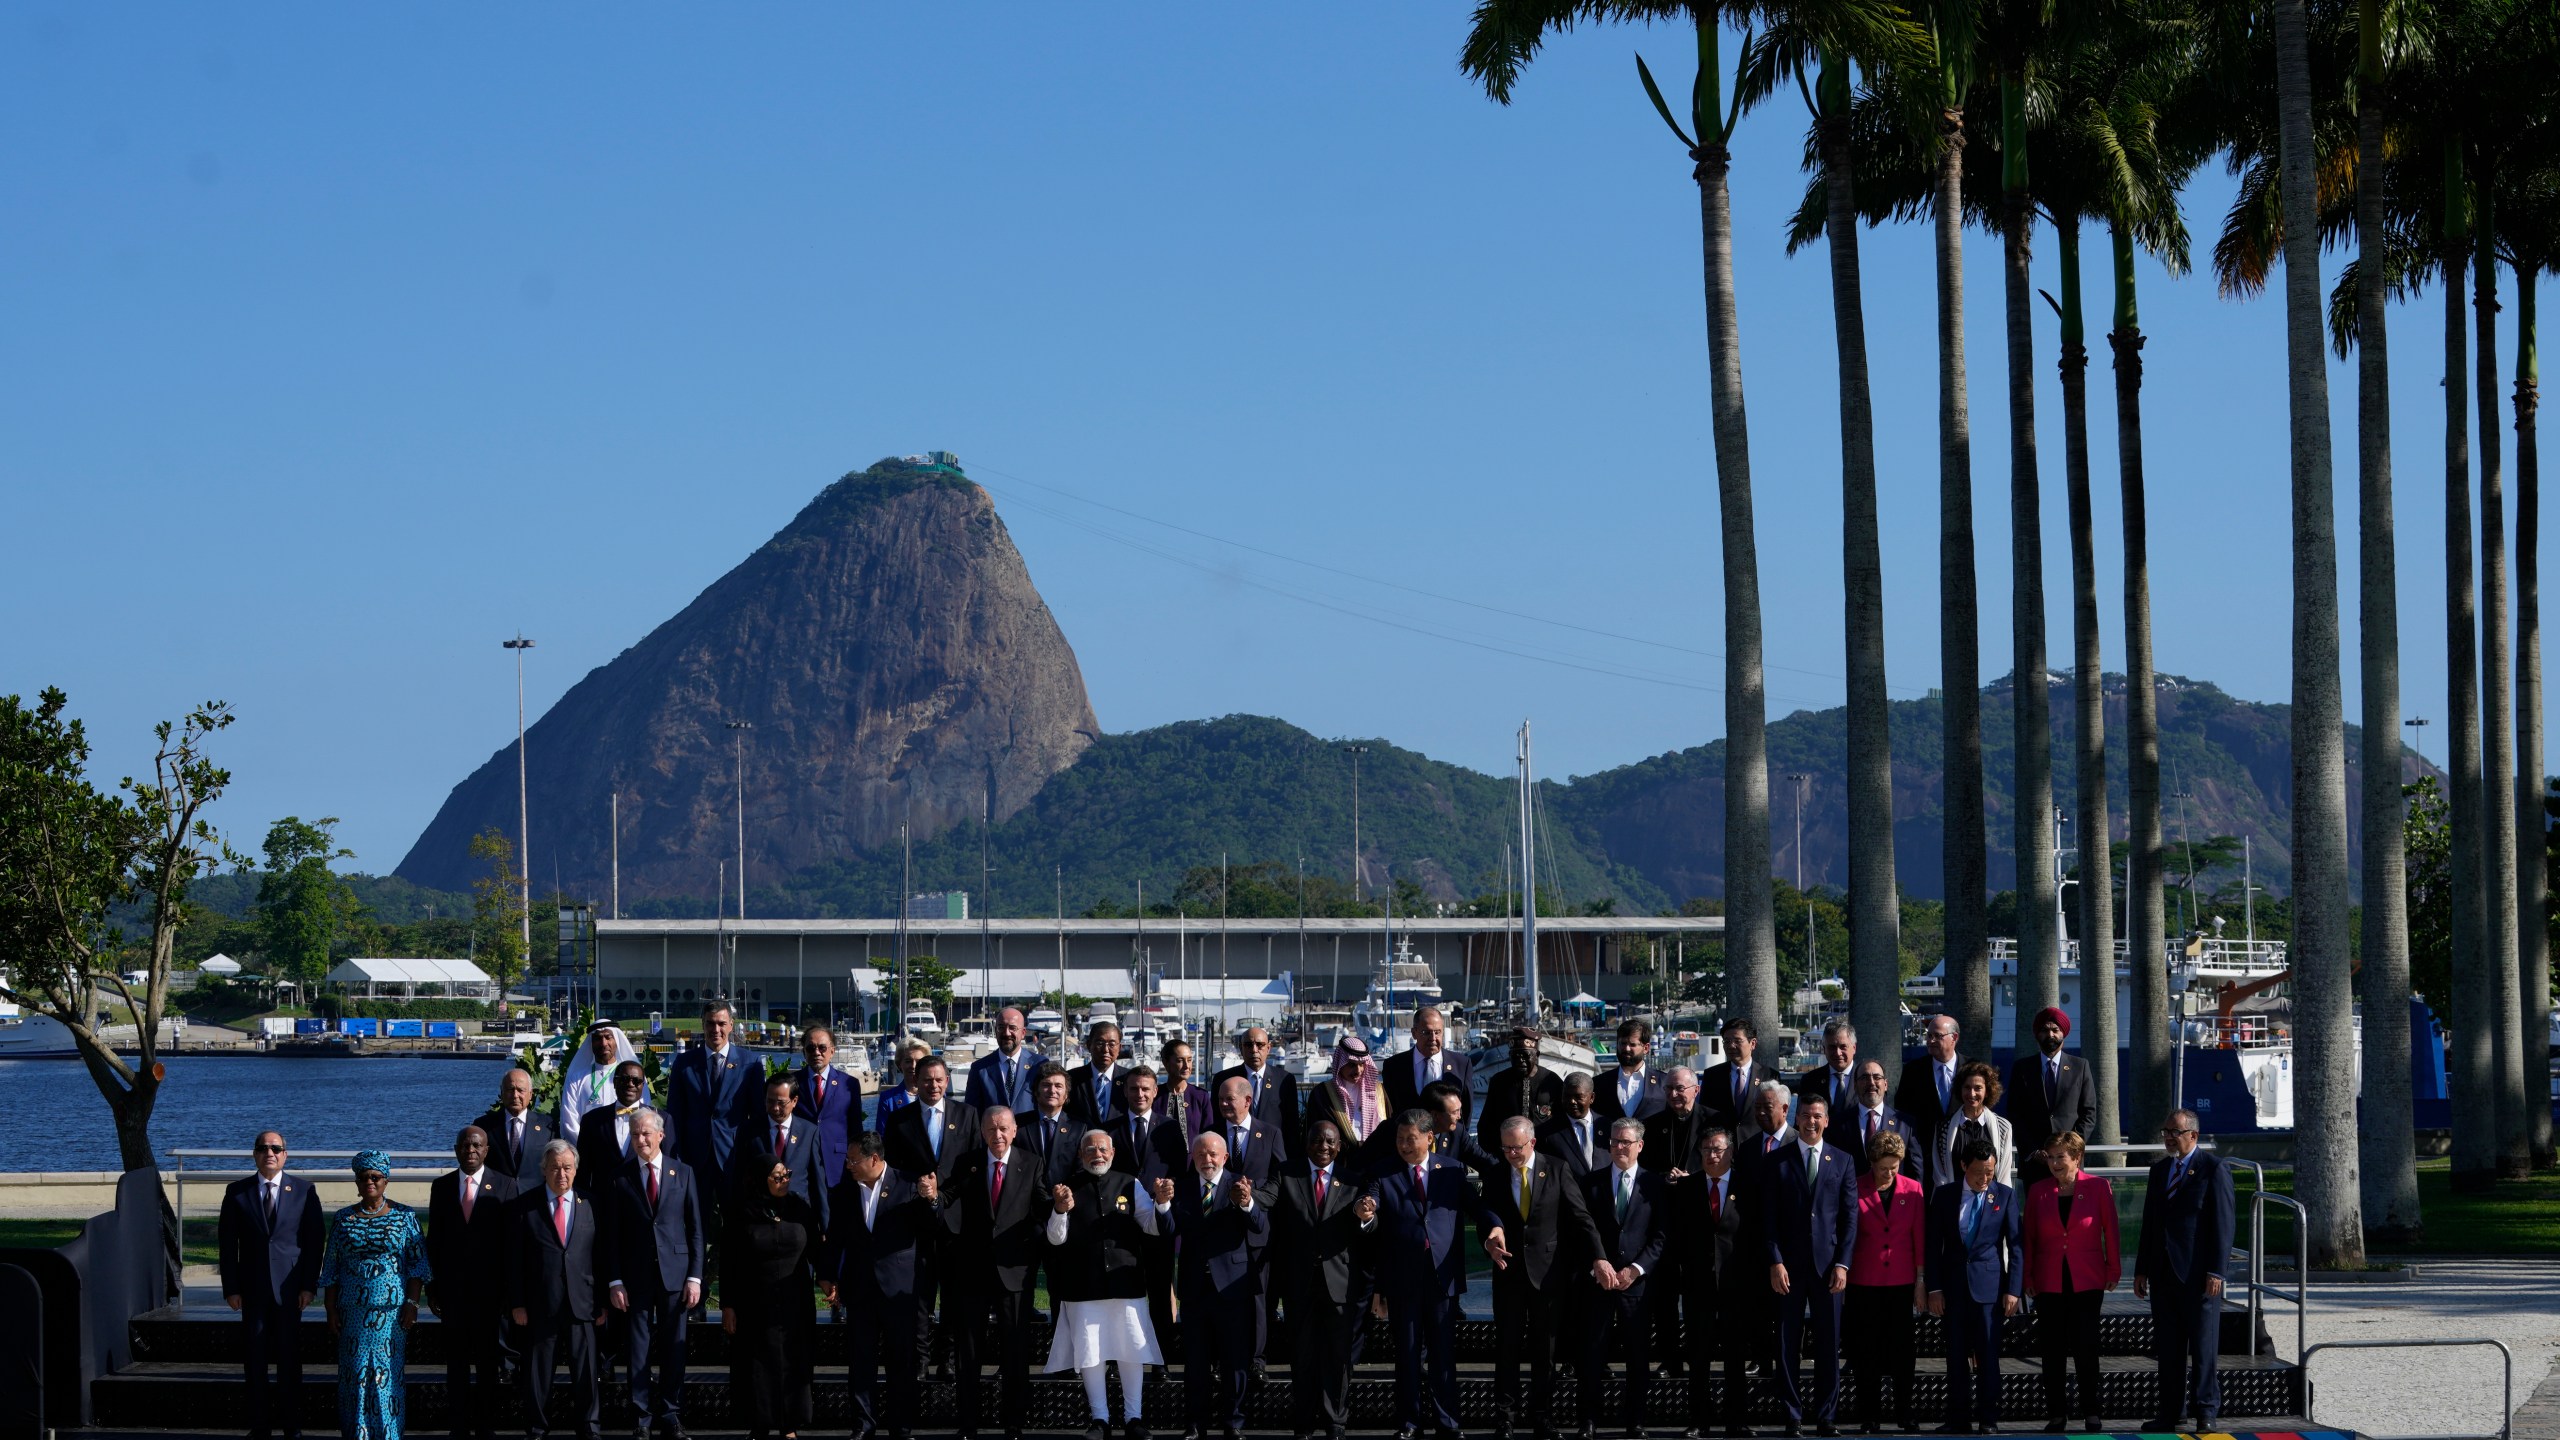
1356, 752
2417, 727
738, 732
524, 840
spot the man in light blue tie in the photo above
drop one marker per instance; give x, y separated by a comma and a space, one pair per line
1974, 1279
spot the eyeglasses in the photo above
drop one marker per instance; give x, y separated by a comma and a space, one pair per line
2171, 1131
266, 1149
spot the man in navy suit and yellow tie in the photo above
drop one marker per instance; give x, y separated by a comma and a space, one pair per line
1809, 1208
1974, 1277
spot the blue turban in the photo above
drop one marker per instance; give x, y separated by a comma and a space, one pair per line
377, 1161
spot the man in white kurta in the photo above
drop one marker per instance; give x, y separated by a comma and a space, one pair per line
1098, 1280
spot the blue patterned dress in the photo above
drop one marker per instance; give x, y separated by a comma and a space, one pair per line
367, 1267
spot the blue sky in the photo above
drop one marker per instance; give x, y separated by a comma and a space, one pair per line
345, 342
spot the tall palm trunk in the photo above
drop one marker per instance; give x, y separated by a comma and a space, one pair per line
1967, 878
2533, 899
2387, 1154
2031, 834
2498, 760
2474, 1069
2097, 1028
1875, 912
2146, 923
1750, 933
2324, 1148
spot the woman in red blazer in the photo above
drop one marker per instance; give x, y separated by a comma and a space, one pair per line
1885, 1289
2072, 1261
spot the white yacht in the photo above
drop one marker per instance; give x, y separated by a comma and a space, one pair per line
1402, 984
33, 1037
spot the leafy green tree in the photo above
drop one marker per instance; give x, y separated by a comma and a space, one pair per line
2429, 845
497, 910
301, 901
928, 978
68, 851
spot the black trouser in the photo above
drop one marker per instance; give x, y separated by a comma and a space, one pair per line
1322, 1335
2067, 1323
1426, 1329
472, 1331
654, 1354
1525, 1322
1010, 1312
883, 1333
1217, 1355
1622, 1313
1973, 1359
1663, 1284
2187, 1328
269, 1333
1809, 1306
1156, 1254
1877, 1329
1719, 1326
571, 1343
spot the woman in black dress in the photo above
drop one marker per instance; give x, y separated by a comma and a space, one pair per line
767, 1301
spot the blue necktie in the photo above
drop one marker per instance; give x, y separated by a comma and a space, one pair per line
933, 1129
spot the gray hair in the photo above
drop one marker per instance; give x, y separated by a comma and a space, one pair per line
1625, 1125
647, 1119
1680, 1072
1518, 1124
1840, 1029
560, 1147
1772, 1087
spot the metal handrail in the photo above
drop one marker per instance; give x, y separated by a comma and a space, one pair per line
2301, 1267
2506, 1385
182, 1154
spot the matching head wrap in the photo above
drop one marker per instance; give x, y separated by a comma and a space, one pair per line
377, 1161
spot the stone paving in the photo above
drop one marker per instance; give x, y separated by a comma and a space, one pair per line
2514, 1299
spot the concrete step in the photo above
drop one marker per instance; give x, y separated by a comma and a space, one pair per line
211, 1396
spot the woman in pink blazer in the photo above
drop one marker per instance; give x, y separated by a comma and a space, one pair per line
1885, 1288
2072, 1261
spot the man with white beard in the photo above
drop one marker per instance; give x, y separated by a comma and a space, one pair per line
1098, 1280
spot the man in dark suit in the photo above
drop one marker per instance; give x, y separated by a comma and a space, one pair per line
604, 1133
2049, 1092
1577, 1136
1421, 1205
715, 1092
1855, 1128
1147, 1145
827, 1098
1326, 1276
876, 1265
1809, 1200
1271, 1088
2187, 1219
1222, 1228
1725, 1090
1974, 1274
516, 1134
1548, 1238
928, 1136
1448, 1111
1253, 1150
1670, 1148
553, 1293
1003, 1075
998, 1210
268, 1239
467, 1212
1526, 1088
1090, 1096
1633, 1091
653, 1262
1047, 1130
1428, 1063
1629, 1209
1722, 1279
1926, 1096
782, 1135
1836, 1079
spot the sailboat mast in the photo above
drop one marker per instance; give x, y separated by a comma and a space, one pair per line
1528, 881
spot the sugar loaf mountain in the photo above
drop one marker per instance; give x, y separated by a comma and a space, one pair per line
896, 663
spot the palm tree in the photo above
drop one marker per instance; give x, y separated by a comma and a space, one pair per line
2529, 228
2498, 761
2387, 1147
2324, 1130
1504, 37
2474, 1078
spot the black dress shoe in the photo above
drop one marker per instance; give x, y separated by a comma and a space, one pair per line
1826, 1430
2097, 1425
1408, 1432
1098, 1430
2056, 1425
671, 1429
1137, 1430
1794, 1429
1692, 1432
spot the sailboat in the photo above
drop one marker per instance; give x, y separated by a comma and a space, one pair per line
1563, 1049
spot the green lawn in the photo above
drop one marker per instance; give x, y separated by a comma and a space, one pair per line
2515, 1217
33, 1234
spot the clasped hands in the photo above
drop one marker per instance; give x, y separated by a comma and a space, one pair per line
1839, 1280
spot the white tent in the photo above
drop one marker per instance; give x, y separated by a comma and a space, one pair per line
220, 965
456, 977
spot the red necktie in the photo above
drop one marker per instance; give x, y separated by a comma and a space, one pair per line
1871, 1125
777, 1142
995, 1192
653, 1189
466, 1199
1715, 1201
1417, 1183
560, 1219
1320, 1189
